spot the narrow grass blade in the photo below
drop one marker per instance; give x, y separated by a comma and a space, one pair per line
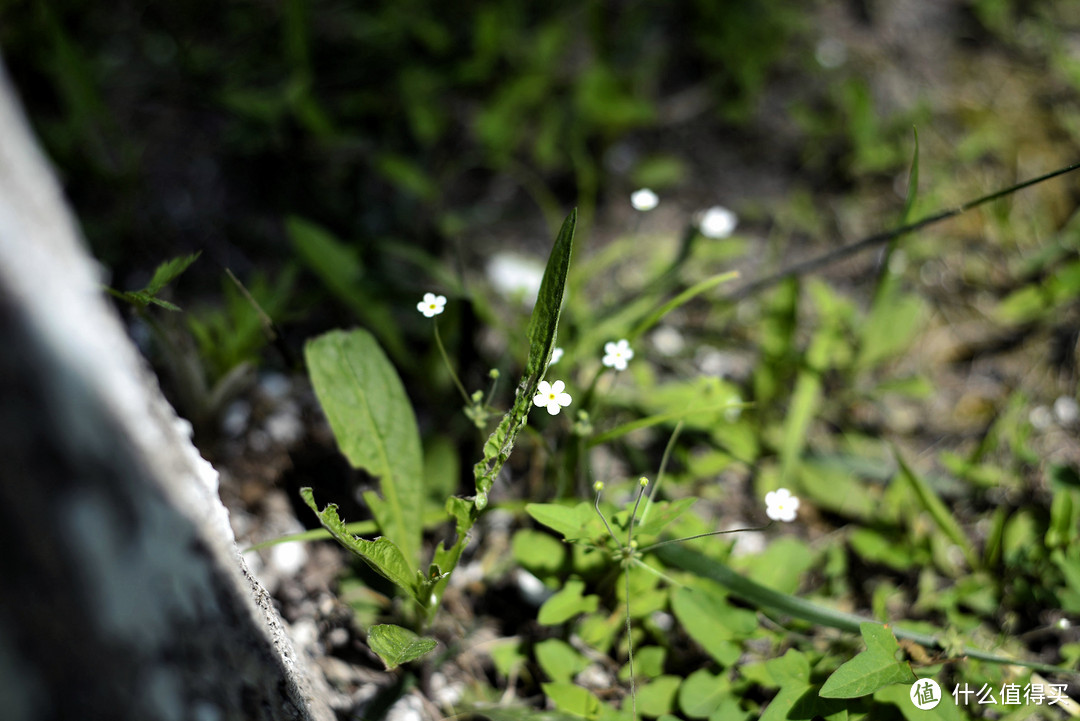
766, 598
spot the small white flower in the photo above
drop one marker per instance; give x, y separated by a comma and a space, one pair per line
552, 396
432, 305
556, 356
644, 200
717, 222
617, 354
780, 505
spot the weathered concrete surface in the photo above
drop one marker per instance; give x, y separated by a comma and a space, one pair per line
122, 593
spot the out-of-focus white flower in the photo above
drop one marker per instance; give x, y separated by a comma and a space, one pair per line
830, 53
552, 396
668, 340
780, 505
1041, 418
617, 354
1066, 410
644, 200
513, 274
717, 222
556, 356
431, 305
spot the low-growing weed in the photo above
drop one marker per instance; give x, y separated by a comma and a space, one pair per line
714, 626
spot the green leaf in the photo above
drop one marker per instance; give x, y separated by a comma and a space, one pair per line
571, 521
937, 510
767, 598
899, 696
648, 663
801, 411
543, 326
712, 621
338, 266
538, 552
702, 693
657, 697
559, 660
872, 669
660, 515
572, 699
396, 645
169, 271
890, 327
375, 428
566, 604
381, 554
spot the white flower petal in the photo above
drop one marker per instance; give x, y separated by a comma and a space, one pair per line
644, 200
717, 222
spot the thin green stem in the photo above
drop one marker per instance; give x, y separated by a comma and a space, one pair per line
663, 467
633, 515
651, 546
630, 640
884, 237
446, 360
599, 489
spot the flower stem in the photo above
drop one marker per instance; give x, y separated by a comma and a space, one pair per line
446, 360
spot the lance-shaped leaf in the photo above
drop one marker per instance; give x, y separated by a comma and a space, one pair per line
542, 329
375, 428
396, 645
381, 554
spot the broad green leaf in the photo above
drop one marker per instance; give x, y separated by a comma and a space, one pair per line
572, 699
712, 621
780, 566
702, 693
566, 604
571, 521
657, 697
396, 645
938, 511
538, 551
559, 660
648, 663
381, 554
375, 428
780, 708
543, 326
872, 669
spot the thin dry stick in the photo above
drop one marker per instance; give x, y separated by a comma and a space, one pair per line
825, 259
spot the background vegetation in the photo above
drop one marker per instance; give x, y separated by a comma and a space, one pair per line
342, 159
